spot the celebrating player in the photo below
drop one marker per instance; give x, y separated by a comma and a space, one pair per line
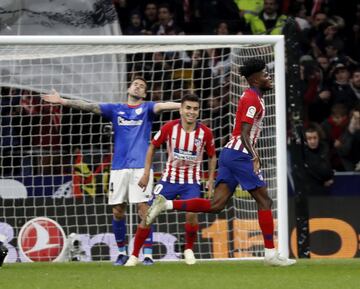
239, 163
186, 140
132, 122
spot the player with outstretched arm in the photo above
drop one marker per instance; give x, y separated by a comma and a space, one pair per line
186, 140
239, 163
132, 122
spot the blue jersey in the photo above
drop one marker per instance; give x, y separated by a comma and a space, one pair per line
132, 129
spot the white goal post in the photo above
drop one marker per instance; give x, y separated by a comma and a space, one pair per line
61, 156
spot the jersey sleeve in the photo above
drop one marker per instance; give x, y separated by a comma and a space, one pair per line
151, 107
248, 107
107, 110
162, 135
209, 143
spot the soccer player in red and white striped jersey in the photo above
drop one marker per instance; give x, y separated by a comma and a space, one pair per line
239, 163
186, 141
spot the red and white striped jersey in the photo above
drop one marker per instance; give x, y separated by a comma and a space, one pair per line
251, 109
185, 151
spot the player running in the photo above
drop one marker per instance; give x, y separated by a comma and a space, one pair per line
132, 122
186, 140
239, 163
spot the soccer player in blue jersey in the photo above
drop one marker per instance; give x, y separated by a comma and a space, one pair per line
132, 122
239, 163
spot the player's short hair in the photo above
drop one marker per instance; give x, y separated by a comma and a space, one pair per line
190, 97
251, 66
140, 78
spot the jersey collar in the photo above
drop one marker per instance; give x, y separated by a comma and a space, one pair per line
196, 125
257, 91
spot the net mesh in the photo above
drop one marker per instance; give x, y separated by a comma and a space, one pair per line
55, 161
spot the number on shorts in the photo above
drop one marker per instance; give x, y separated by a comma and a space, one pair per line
158, 188
111, 187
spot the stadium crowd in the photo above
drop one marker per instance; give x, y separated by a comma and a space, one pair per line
329, 36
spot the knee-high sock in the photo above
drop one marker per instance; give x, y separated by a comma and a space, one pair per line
193, 205
190, 235
147, 249
119, 229
140, 237
267, 227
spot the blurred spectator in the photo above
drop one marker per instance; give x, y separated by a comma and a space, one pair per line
269, 21
341, 89
166, 25
249, 8
219, 64
298, 11
135, 27
318, 174
310, 77
324, 65
150, 17
201, 73
320, 109
348, 145
222, 28
334, 126
333, 50
355, 84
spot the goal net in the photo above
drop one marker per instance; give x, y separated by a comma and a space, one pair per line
55, 161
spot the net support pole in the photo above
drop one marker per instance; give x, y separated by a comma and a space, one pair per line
281, 151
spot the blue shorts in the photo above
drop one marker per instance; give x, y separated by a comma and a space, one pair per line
236, 167
172, 191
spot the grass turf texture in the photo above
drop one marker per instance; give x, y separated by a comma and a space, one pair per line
307, 274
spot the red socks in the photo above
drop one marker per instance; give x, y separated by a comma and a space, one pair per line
140, 237
267, 227
193, 205
190, 235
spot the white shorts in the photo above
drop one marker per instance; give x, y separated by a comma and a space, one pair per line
124, 188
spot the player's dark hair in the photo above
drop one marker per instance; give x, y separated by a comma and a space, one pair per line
140, 78
251, 66
190, 97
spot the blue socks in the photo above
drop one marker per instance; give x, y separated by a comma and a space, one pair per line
147, 248
119, 229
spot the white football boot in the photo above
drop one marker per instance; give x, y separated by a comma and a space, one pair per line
189, 257
155, 209
273, 258
133, 261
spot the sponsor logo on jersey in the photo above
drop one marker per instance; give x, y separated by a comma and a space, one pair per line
121, 112
251, 111
138, 110
41, 239
180, 154
123, 121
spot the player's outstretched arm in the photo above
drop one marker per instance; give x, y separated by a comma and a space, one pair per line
165, 106
55, 98
148, 161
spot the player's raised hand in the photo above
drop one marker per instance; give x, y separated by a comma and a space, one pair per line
53, 97
144, 182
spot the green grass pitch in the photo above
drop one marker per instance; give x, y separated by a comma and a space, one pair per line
306, 274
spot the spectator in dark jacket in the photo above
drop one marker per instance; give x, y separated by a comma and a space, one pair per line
318, 173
